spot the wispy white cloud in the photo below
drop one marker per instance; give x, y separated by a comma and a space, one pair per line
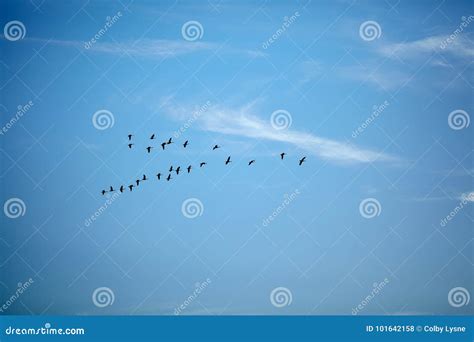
242, 122
460, 46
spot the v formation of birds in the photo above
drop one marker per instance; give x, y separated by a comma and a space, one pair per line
176, 170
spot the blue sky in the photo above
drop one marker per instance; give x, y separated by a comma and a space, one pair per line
376, 94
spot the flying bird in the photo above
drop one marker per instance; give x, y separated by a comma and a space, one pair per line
159, 176
103, 192
251, 162
163, 145
152, 136
189, 168
171, 168
121, 188
130, 187
302, 160
169, 177
130, 145
228, 160
138, 182
185, 144
149, 148
202, 164
178, 169
144, 178
111, 189
282, 155
169, 141
130, 136
215, 147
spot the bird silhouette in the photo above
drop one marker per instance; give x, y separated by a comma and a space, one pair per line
185, 144
178, 169
202, 164
152, 136
282, 155
302, 160
130, 145
130, 136
149, 148
130, 187
121, 188
159, 176
138, 182
215, 147
228, 160
163, 145
111, 189
171, 168
189, 168
251, 162
169, 141
144, 178
103, 192
169, 177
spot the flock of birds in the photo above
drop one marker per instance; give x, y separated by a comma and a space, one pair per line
159, 175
